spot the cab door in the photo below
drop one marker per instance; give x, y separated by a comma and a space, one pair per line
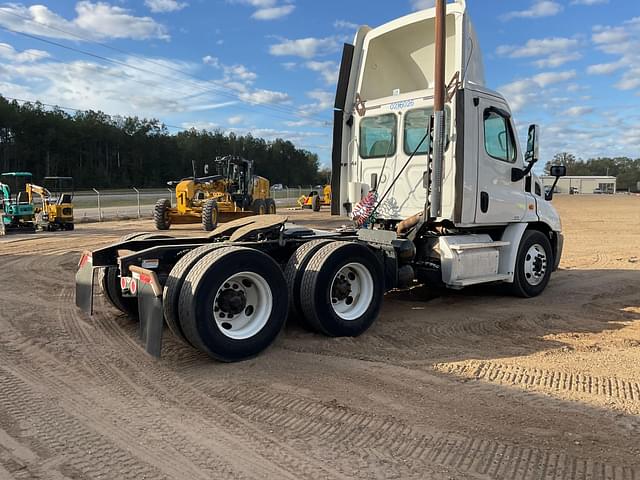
499, 200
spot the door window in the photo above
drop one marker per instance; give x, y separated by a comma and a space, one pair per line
378, 136
498, 137
416, 123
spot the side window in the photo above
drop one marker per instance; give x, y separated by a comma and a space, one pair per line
498, 137
378, 136
416, 123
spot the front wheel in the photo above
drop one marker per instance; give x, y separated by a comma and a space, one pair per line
533, 265
342, 289
232, 303
210, 215
270, 204
162, 214
259, 207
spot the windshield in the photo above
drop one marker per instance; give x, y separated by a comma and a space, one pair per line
378, 136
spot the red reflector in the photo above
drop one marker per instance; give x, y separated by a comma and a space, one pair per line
84, 259
145, 278
123, 283
133, 286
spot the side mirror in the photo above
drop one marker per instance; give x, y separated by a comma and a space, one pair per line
533, 145
531, 156
558, 171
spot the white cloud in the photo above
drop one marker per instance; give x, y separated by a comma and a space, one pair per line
265, 97
422, 4
305, 47
163, 6
589, 2
577, 111
114, 89
268, 9
345, 25
539, 8
273, 13
328, 70
7, 52
557, 51
529, 90
605, 68
235, 120
210, 60
555, 61
239, 72
322, 101
538, 48
96, 21
621, 41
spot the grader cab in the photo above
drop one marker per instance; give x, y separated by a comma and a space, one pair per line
233, 193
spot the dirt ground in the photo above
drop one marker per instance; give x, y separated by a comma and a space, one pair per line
450, 385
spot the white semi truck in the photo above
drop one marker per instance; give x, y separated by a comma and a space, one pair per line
432, 174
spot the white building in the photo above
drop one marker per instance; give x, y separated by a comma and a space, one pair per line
582, 185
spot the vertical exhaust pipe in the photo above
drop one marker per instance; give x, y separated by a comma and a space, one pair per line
438, 107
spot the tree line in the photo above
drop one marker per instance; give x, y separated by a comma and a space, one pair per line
626, 170
102, 151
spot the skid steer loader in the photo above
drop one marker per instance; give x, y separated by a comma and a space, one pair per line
235, 192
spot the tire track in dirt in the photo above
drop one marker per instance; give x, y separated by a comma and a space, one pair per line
187, 449
104, 367
125, 351
309, 420
610, 387
57, 432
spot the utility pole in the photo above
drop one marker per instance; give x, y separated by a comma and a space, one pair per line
438, 108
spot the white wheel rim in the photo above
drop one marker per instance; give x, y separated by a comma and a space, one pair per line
351, 291
535, 265
243, 305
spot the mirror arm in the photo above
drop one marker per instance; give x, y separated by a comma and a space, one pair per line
549, 196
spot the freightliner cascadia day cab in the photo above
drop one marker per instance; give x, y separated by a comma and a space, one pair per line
432, 175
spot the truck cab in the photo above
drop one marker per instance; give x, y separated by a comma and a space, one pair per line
383, 146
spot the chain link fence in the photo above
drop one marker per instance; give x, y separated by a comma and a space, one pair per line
102, 205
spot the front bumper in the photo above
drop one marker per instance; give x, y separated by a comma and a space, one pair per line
559, 247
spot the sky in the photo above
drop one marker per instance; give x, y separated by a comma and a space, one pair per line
269, 67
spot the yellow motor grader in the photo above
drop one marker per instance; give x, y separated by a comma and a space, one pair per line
235, 192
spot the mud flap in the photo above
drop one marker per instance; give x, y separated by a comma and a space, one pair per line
150, 312
84, 283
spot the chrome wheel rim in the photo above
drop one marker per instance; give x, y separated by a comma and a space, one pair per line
535, 265
243, 305
351, 291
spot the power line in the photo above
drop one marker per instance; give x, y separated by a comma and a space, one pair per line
71, 109
215, 87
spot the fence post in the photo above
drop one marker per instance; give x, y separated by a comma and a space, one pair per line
99, 207
170, 197
138, 197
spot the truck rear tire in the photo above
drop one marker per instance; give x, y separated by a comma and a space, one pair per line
173, 286
294, 272
533, 265
271, 206
161, 214
259, 207
342, 289
210, 215
232, 304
